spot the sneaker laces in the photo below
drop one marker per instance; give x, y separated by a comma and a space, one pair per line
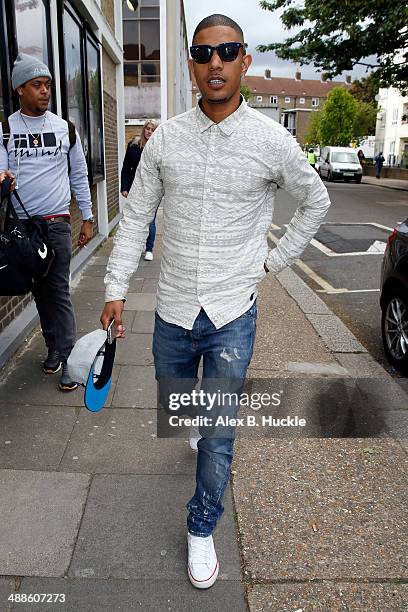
201, 550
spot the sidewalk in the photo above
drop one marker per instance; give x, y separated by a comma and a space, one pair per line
92, 505
398, 184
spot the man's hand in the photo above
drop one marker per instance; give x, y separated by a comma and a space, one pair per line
125, 194
85, 234
9, 175
113, 310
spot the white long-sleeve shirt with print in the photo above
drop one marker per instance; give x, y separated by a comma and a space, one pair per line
217, 184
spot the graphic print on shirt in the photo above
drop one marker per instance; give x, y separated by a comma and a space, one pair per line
36, 145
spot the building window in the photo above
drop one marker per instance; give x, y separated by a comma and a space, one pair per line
82, 90
141, 43
394, 117
301, 100
24, 28
259, 98
315, 101
274, 99
287, 99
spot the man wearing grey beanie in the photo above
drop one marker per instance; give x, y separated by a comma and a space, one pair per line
43, 155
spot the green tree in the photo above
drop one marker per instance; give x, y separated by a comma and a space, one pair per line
365, 120
366, 89
313, 134
337, 121
336, 36
246, 91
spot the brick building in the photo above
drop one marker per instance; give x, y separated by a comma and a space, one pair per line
81, 42
290, 101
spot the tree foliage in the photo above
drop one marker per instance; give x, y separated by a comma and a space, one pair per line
336, 35
342, 120
365, 120
366, 89
246, 91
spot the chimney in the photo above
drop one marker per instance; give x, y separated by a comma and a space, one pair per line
268, 73
323, 77
298, 75
348, 79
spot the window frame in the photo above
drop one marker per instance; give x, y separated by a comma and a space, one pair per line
9, 51
85, 35
302, 100
273, 99
315, 102
287, 99
138, 19
259, 98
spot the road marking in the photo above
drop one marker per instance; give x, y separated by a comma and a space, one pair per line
349, 291
310, 273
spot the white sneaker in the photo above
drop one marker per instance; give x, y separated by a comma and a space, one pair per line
194, 438
148, 256
202, 561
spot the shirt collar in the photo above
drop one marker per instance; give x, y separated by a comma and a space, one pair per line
227, 125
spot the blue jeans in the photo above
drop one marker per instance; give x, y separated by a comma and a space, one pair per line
226, 354
152, 235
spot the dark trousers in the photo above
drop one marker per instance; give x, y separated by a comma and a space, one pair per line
52, 296
152, 235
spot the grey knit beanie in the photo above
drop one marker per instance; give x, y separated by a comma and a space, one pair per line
27, 67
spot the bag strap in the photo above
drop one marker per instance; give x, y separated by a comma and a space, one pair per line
71, 134
5, 125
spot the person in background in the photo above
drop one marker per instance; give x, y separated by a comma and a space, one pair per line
47, 166
130, 163
361, 157
311, 158
379, 161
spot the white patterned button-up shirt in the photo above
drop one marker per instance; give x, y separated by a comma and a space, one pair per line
217, 185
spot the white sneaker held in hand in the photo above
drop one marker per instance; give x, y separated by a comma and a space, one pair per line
202, 561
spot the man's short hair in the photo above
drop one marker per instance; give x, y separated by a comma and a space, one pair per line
218, 20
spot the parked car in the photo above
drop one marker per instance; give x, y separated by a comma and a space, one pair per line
340, 163
394, 298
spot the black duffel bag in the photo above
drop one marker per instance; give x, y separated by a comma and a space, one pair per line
25, 253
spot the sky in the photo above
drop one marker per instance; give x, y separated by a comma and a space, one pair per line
260, 27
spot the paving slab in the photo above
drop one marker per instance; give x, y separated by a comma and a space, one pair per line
336, 336
27, 384
93, 269
134, 527
322, 509
88, 300
141, 301
143, 323
307, 367
325, 596
7, 586
136, 388
150, 285
90, 283
149, 271
125, 441
40, 516
91, 595
34, 437
135, 349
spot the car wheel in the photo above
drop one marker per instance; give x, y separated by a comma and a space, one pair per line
358, 180
330, 176
394, 329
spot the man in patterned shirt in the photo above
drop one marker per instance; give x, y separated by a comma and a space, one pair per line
216, 169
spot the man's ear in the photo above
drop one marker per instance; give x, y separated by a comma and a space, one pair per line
20, 91
246, 62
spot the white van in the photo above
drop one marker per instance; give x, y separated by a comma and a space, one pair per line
340, 163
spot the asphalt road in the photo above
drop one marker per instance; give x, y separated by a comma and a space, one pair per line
337, 266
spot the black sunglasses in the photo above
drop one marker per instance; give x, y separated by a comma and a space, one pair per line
227, 52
